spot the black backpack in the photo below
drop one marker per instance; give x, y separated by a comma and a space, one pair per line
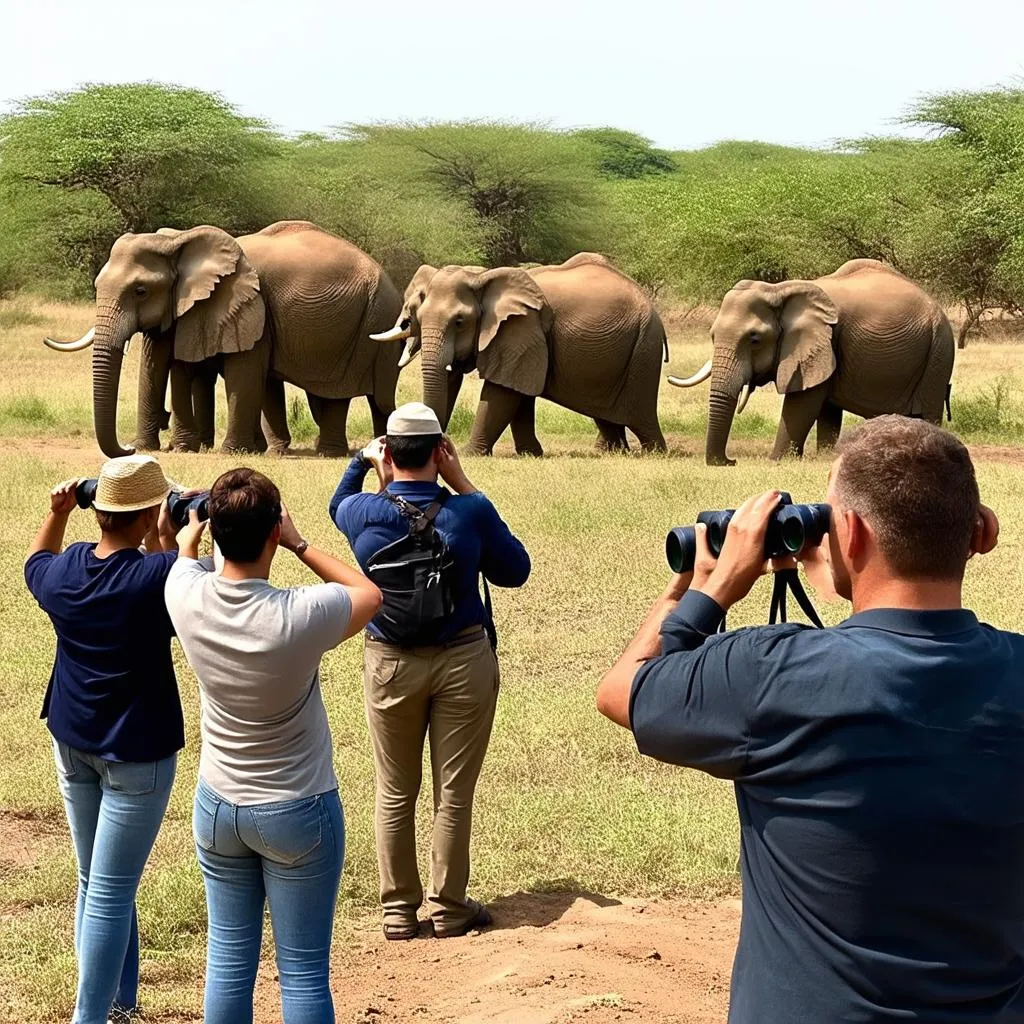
414, 574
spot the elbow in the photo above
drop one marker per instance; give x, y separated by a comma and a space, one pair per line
376, 599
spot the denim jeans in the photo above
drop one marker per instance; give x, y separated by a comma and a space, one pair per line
288, 855
114, 811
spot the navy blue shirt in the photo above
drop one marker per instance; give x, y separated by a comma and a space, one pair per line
879, 776
112, 691
479, 541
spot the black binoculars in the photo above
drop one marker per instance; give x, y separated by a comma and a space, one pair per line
178, 506
791, 530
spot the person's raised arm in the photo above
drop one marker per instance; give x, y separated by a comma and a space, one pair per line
365, 597
50, 536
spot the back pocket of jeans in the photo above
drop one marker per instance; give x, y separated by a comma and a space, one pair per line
204, 819
289, 832
133, 778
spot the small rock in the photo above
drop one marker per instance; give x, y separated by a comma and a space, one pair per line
653, 955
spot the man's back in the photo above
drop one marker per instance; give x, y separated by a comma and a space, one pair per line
878, 771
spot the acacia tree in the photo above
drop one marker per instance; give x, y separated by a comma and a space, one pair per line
533, 193
134, 158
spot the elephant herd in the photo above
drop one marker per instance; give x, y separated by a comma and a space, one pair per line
295, 303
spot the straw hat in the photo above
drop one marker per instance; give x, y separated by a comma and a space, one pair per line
129, 484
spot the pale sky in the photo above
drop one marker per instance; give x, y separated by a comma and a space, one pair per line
684, 73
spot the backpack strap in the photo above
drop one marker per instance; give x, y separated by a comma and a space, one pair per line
420, 519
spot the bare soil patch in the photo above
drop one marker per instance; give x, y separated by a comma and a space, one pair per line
551, 958
23, 841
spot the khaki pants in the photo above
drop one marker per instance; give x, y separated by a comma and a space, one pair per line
449, 693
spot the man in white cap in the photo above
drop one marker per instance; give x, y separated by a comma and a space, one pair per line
427, 671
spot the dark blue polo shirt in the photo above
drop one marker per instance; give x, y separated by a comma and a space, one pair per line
112, 691
879, 775
479, 540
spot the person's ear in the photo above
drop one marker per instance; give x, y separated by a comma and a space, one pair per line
986, 532
388, 461
856, 542
275, 536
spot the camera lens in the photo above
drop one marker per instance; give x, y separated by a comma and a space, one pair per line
681, 548
791, 531
718, 525
179, 507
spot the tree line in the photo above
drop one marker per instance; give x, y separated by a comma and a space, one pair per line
78, 169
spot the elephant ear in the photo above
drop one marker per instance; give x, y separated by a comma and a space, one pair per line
217, 303
806, 356
512, 346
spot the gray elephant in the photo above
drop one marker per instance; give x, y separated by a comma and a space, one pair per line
290, 303
864, 339
580, 334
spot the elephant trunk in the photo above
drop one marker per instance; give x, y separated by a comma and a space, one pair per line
727, 380
437, 358
107, 354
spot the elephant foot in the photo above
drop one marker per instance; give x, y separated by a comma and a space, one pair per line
146, 444
720, 461
332, 451
532, 453
278, 451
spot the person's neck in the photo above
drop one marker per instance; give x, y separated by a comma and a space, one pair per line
109, 543
426, 475
258, 570
912, 595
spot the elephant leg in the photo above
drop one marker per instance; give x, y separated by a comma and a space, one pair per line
184, 434
498, 405
275, 417
650, 436
524, 428
830, 424
204, 387
611, 437
151, 416
245, 380
379, 416
799, 411
333, 422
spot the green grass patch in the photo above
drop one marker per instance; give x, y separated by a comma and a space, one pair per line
27, 410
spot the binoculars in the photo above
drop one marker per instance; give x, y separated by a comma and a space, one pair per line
791, 530
178, 506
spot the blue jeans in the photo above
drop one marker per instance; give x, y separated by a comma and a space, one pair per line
114, 811
288, 855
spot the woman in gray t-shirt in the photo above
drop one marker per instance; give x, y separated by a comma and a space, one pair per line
268, 820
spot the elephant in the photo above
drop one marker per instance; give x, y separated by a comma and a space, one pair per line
580, 334
292, 302
864, 339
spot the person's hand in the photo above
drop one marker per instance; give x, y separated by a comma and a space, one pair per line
450, 469
986, 532
167, 529
62, 497
374, 454
818, 570
741, 561
189, 535
290, 536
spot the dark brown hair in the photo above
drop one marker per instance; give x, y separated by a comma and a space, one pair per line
244, 509
914, 484
117, 522
412, 452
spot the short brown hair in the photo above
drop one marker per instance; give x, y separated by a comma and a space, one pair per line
244, 509
117, 522
914, 484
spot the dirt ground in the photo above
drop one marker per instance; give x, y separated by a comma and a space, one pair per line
549, 959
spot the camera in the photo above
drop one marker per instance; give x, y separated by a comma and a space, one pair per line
178, 506
791, 530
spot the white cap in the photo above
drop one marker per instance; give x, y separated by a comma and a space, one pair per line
413, 420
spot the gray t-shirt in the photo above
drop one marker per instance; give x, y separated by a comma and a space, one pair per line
256, 651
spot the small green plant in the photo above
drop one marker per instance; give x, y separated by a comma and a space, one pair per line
990, 414
28, 409
300, 422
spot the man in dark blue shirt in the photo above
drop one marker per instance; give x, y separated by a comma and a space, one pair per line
447, 689
878, 765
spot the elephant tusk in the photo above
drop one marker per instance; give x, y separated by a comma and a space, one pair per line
409, 352
698, 378
397, 333
745, 392
448, 368
71, 346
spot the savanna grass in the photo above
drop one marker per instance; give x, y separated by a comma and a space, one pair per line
565, 802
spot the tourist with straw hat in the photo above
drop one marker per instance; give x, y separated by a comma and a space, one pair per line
112, 709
